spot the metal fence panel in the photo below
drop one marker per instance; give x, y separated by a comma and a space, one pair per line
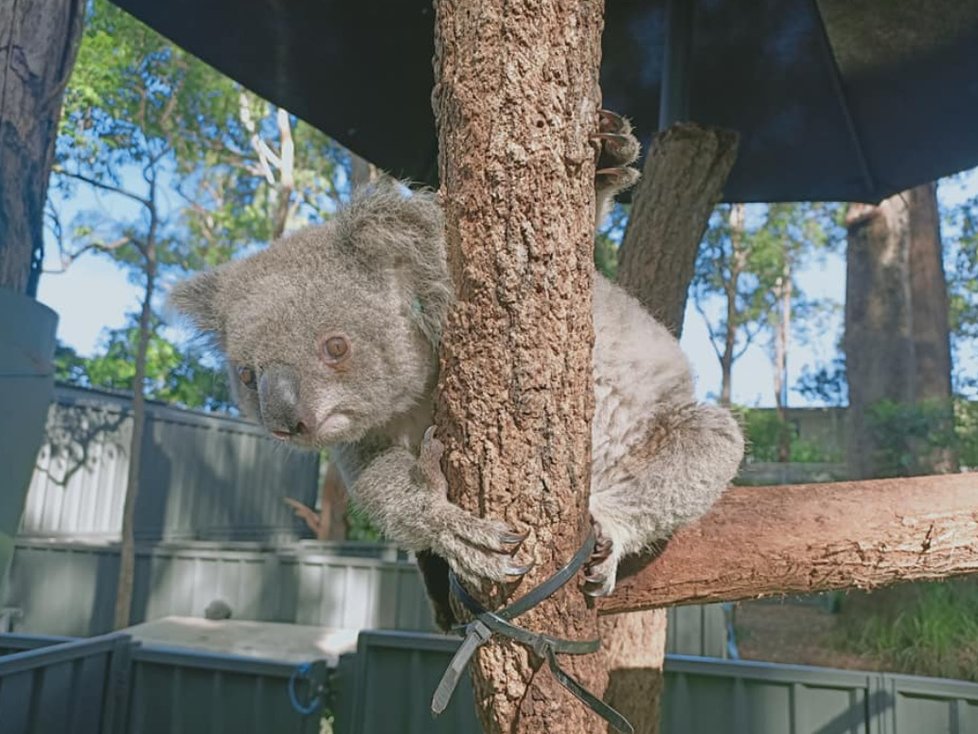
930, 705
699, 629
56, 687
760, 698
69, 588
63, 687
700, 696
184, 691
202, 476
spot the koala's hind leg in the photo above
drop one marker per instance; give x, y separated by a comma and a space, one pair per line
671, 478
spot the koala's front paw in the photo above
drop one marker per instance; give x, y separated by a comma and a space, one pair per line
475, 547
619, 148
601, 569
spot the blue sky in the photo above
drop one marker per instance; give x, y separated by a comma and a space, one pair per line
95, 294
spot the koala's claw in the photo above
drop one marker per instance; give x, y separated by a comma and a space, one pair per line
475, 564
482, 548
618, 146
609, 121
515, 539
601, 567
520, 571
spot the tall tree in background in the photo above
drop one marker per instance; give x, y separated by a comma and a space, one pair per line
144, 119
896, 340
930, 327
740, 273
962, 278
134, 108
792, 234
38, 43
745, 281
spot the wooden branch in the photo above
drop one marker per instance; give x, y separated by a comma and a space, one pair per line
765, 541
305, 513
684, 171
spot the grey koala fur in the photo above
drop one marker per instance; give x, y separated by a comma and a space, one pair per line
376, 276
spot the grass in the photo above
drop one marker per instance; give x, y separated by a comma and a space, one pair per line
923, 629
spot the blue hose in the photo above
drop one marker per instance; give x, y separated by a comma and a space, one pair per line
313, 704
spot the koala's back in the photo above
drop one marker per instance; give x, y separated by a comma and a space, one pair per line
640, 374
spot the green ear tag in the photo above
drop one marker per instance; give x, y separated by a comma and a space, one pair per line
416, 308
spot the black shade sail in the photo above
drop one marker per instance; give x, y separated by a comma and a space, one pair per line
849, 100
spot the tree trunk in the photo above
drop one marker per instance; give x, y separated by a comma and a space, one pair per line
930, 328
878, 338
732, 323
634, 644
333, 500
286, 169
684, 172
803, 539
127, 553
897, 335
782, 337
634, 650
38, 43
516, 99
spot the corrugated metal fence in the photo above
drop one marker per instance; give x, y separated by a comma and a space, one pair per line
54, 686
386, 688
202, 476
69, 588
112, 685
64, 588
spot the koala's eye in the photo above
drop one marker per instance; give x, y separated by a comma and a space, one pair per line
335, 349
247, 377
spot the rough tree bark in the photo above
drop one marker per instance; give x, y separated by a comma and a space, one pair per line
691, 163
842, 535
878, 338
930, 327
516, 99
633, 647
634, 644
38, 43
897, 334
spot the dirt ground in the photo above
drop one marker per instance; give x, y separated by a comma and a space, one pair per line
792, 633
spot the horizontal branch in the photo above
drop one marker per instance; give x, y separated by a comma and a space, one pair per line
766, 541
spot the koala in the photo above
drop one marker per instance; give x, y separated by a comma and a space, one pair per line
332, 334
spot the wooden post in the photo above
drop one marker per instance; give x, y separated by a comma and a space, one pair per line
516, 99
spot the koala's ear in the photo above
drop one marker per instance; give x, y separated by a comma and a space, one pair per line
401, 233
388, 225
196, 299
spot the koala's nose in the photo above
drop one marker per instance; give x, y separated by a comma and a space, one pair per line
278, 395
